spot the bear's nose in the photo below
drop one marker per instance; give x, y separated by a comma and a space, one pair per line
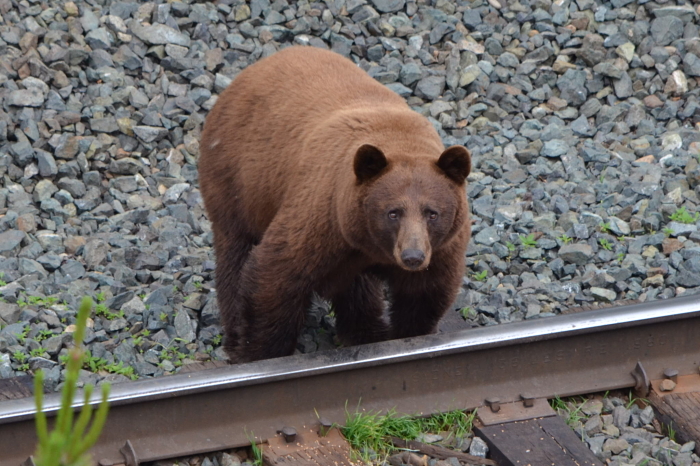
413, 258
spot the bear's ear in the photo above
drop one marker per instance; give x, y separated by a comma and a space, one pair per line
456, 163
369, 162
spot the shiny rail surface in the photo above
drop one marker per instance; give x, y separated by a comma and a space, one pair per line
218, 408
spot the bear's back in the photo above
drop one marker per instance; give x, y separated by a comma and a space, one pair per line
270, 128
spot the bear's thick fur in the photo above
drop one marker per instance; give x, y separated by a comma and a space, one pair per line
318, 178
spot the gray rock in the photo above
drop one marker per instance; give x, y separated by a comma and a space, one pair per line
430, 87
89, 20
11, 239
478, 448
623, 86
150, 133
618, 226
603, 294
99, 38
388, 6
26, 98
666, 29
575, 253
691, 64
46, 163
104, 125
685, 13
572, 87
156, 34
555, 148
9, 313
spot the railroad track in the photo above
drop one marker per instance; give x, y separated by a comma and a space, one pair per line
511, 365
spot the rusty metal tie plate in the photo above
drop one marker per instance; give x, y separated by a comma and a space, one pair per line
308, 449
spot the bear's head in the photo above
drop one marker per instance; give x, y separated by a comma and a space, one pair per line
412, 205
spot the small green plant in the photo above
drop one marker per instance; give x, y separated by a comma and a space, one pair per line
198, 285
528, 241
146, 333
565, 239
93, 363
2, 276
120, 369
163, 316
37, 352
100, 296
569, 410
137, 339
620, 256
481, 276
68, 444
174, 355
255, 449
102, 310
39, 301
369, 431
142, 296
216, 340
671, 431
466, 312
605, 244
19, 356
667, 231
43, 335
605, 227
633, 400
23, 334
510, 246
683, 216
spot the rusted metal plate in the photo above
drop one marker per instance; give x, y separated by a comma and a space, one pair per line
16, 388
215, 409
536, 442
516, 411
308, 449
679, 408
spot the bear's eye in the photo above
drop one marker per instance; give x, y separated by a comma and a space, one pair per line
394, 214
432, 215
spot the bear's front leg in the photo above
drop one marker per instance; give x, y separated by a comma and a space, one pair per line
420, 299
275, 289
359, 311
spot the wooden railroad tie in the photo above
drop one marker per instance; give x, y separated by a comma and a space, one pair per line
679, 407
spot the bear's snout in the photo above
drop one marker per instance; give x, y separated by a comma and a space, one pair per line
412, 258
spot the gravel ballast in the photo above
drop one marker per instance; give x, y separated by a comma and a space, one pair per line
582, 118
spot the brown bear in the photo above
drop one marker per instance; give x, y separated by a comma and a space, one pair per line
318, 178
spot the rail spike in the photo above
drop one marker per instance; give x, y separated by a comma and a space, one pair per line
641, 387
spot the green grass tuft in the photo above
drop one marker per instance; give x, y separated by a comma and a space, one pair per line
368, 432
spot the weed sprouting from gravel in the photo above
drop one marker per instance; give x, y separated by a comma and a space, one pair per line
528, 241
368, 432
683, 216
569, 410
256, 449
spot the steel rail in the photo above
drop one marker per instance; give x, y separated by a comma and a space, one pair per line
220, 408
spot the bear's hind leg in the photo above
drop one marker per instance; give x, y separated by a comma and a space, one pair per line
358, 311
232, 248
